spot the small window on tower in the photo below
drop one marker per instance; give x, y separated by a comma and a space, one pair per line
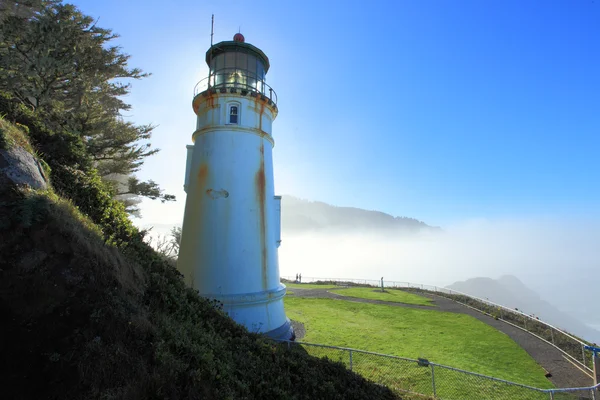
233, 114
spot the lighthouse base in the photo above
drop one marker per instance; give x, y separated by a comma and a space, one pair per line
284, 332
260, 312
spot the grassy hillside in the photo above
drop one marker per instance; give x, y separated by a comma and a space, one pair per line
456, 340
392, 295
91, 312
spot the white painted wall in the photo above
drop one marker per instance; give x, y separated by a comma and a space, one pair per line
231, 223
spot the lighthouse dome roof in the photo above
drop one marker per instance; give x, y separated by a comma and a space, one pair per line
237, 46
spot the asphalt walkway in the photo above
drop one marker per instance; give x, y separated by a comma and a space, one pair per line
564, 372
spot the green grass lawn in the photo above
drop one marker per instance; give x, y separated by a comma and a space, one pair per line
456, 340
393, 295
308, 286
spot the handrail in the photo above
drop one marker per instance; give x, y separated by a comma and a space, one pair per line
239, 82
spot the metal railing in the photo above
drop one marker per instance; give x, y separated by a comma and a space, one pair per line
236, 79
426, 378
570, 346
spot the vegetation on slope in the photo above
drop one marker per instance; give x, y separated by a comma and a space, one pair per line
457, 340
11, 136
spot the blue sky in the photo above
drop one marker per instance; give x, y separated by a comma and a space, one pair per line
439, 110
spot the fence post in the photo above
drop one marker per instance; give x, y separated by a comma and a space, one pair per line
350, 351
433, 380
552, 335
551, 395
583, 352
596, 362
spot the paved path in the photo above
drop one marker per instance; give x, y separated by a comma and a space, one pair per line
564, 373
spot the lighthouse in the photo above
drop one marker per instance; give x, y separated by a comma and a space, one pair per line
231, 226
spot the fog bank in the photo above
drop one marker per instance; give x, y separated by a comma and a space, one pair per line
556, 258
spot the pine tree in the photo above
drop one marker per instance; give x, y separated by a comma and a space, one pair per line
57, 61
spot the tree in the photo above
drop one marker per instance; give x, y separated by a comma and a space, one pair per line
169, 246
57, 61
130, 188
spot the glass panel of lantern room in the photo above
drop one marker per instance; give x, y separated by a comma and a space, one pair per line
220, 77
218, 64
242, 62
230, 59
242, 69
251, 68
260, 72
241, 78
232, 77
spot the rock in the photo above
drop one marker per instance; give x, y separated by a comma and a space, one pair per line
21, 168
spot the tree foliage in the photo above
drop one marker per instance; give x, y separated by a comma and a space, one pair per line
58, 62
168, 246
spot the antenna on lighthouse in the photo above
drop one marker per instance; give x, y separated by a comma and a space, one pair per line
212, 29
212, 32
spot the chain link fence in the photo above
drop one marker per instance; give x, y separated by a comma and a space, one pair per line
571, 346
426, 379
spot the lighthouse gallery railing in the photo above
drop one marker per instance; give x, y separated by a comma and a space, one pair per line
236, 79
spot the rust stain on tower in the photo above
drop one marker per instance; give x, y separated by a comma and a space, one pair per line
260, 187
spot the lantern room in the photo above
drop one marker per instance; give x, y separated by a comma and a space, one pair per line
237, 64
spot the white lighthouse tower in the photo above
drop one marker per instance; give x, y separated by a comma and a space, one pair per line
231, 226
